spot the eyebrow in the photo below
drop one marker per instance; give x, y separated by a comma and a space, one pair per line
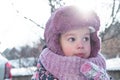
87, 33
72, 34
68, 34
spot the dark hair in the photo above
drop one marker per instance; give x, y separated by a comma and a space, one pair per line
45, 46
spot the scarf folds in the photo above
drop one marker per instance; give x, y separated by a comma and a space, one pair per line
67, 68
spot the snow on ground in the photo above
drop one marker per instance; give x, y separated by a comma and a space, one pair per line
23, 62
113, 64
23, 71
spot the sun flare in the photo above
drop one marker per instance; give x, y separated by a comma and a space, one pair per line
84, 5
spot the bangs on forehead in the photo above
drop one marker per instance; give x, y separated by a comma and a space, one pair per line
90, 28
64, 30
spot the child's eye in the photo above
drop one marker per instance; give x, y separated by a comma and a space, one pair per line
86, 39
72, 39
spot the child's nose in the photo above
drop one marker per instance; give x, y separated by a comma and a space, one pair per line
80, 45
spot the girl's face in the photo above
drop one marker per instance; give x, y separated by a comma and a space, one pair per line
76, 42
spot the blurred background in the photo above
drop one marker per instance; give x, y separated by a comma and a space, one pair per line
22, 25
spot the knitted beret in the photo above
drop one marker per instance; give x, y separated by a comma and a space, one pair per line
68, 18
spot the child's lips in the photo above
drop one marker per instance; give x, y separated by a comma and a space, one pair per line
80, 55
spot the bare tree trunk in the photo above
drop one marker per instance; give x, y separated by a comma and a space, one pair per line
55, 4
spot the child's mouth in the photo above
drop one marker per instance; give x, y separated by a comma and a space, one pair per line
79, 55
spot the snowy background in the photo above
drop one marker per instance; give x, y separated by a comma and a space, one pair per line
21, 22
19, 19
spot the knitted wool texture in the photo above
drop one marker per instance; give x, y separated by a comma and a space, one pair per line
68, 18
67, 68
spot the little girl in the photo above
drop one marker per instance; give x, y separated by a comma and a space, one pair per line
73, 46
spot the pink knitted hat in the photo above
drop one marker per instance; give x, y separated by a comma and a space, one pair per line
68, 18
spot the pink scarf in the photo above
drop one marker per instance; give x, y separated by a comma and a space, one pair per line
67, 68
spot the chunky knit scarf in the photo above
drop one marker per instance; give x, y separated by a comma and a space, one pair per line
67, 68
